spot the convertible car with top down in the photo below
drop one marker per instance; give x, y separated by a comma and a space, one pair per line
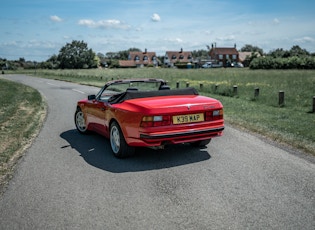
147, 113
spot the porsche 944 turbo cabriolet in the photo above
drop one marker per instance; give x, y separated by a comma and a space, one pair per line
147, 113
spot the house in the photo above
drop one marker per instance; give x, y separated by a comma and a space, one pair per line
139, 59
172, 57
245, 57
224, 56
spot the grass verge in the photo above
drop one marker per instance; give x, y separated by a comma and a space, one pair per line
22, 112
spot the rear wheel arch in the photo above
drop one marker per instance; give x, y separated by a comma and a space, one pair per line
110, 124
118, 143
111, 121
115, 120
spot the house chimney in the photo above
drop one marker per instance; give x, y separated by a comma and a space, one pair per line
235, 45
212, 45
145, 50
181, 50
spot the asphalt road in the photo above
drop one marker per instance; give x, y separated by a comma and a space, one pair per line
72, 181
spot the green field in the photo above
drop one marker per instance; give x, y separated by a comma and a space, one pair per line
291, 123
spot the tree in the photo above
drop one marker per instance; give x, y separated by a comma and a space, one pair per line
123, 55
279, 53
114, 55
100, 55
76, 55
253, 49
200, 54
295, 51
298, 51
53, 62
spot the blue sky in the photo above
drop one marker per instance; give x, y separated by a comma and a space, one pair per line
37, 29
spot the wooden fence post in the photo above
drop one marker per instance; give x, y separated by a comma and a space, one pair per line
187, 84
201, 86
235, 90
216, 88
313, 104
281, 98
256, 93
177, 85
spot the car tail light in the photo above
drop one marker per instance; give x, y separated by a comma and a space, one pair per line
154, 121
214, 115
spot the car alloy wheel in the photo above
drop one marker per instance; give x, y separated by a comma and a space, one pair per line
115, 139
118, 143
80, 121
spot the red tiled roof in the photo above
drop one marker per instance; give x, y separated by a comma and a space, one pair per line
138, 58
181, 56
141, 54
127, 63
144, 57
224, 50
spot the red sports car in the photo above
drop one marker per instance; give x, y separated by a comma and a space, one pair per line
147, 113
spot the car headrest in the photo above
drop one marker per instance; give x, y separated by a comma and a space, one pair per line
164, 87
131, 89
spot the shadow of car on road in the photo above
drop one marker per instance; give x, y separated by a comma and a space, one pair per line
95, 150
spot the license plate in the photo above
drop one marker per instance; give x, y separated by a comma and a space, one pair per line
189, 118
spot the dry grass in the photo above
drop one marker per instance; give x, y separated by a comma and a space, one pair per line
20, 120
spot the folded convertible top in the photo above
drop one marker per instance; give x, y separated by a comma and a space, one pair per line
118, 98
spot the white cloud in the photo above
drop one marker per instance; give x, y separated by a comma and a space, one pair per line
55, 18
155, 17
305, 40
87, 22
105, 24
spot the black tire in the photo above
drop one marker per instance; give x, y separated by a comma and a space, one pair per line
118, 143
201, 143
79, 121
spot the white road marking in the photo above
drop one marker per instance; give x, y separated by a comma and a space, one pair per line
78, 91
52, 84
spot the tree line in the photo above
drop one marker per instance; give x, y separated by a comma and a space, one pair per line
295, 58
77, 55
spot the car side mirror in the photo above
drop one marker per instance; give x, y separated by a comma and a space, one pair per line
91, 97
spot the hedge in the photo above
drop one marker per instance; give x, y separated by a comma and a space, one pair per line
295, 62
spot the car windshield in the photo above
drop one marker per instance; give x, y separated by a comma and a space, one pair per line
139, 86
124, 86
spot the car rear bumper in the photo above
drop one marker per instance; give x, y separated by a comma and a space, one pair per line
187, 134
154, 140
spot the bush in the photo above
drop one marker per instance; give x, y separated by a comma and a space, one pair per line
294, 62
